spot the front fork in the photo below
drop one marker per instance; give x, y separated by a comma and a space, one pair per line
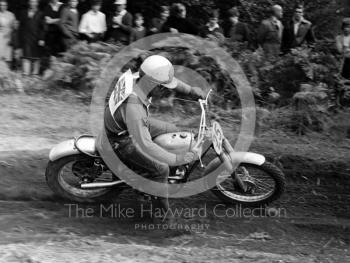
230, 165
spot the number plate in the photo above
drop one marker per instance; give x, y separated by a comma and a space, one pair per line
217, 137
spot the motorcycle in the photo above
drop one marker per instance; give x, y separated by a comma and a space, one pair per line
77, 172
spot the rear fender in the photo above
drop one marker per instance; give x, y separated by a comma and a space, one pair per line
63, 149
67, 148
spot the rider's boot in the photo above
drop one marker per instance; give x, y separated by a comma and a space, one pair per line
163, 205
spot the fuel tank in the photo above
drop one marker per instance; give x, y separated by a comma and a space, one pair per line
176, 143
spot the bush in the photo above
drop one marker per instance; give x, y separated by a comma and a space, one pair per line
80, 67
311, 109
10, 82
285, 75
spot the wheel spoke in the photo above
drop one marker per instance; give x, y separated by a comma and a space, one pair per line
265, 189
261, 182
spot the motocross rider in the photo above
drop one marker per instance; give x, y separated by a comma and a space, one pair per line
130, 129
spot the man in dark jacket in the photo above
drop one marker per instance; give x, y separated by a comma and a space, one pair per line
270, 33
158, 22
69, 23
298, 31
212, 29
32, 38
238, 31
178, 23
120, 24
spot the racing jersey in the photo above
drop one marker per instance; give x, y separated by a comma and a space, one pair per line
131, 118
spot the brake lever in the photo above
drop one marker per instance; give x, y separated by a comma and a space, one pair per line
202, 128
207, 98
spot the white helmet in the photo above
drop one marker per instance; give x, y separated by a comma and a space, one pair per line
160, 70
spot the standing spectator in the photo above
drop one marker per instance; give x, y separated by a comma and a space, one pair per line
70, 24
158, 22
139, 31
53, 36
32, 35
93, 23
212, 30
15, 44
7, 25
238, 31
121, 23
178, 22
270, 33
343, 47
297, 32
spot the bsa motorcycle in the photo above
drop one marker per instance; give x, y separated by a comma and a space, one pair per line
77, 172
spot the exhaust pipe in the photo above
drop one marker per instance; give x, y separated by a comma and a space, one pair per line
101, 185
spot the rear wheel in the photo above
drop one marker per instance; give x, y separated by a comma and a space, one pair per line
64, 177
263, 185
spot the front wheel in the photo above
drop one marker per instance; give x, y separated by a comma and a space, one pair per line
263, 185
64, 177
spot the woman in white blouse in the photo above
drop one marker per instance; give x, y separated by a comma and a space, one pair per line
93, 25
7, 24
343, 47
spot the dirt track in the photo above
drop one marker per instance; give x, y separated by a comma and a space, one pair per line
35, 225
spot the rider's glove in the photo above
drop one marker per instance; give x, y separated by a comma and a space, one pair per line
198, 92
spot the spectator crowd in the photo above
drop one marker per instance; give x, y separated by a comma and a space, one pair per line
40, 34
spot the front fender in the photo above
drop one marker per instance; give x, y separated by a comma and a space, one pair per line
247, 157
63, 149
236, 157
